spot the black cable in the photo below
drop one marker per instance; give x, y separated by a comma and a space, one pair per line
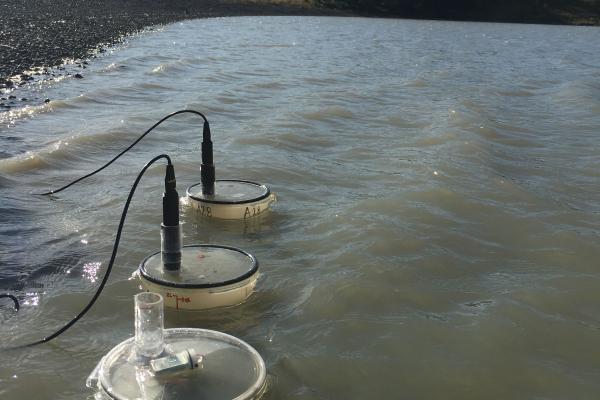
110, 263
127, 149
13, 298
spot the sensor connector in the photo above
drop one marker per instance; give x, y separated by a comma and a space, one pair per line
170, 229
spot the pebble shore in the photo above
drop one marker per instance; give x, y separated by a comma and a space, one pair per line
37, 34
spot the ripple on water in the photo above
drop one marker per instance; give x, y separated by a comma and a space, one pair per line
417, 83
328, 114
516, 93
437, 213
28, 161
269, 85
328, 81
175, 68
26, 112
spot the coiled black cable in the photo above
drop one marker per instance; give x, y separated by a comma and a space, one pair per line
13, 298
110, 263
126, 150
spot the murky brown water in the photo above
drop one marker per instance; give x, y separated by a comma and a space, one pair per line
437, 230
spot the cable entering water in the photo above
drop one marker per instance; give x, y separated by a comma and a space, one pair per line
110, 263
13, 298
206, 128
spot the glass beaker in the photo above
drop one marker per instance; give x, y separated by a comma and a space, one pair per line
149, 315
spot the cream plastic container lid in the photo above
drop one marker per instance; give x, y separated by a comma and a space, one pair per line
230, 369
202, 266
233, 199
229, 191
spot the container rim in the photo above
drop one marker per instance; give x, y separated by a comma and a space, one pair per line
255, 389
210, 201
240, 278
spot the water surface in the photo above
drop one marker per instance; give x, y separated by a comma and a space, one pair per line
437, 230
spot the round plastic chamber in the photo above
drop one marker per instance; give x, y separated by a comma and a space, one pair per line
229, 369
210, 276
233, 199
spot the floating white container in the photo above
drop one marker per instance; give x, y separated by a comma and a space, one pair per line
226, 368
232, 199
210, 276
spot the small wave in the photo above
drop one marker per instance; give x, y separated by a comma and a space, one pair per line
418, 83
161, 68
229, 98
287, 140
62, 152
100, 97
114, 67
255, 72
437, 140
274, 46
152, 86
401, 122
170, 67
578, 93
293, 125
122, 95
221, 77
328, 113
321, 81
269, 85
473, 118
26, 112
24, 162
486, 132
516, 93
305, 140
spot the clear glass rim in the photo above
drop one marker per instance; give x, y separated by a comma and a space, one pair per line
148, 299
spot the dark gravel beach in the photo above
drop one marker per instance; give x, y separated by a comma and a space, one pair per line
41, 33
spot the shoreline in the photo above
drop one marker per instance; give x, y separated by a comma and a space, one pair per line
44, 34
